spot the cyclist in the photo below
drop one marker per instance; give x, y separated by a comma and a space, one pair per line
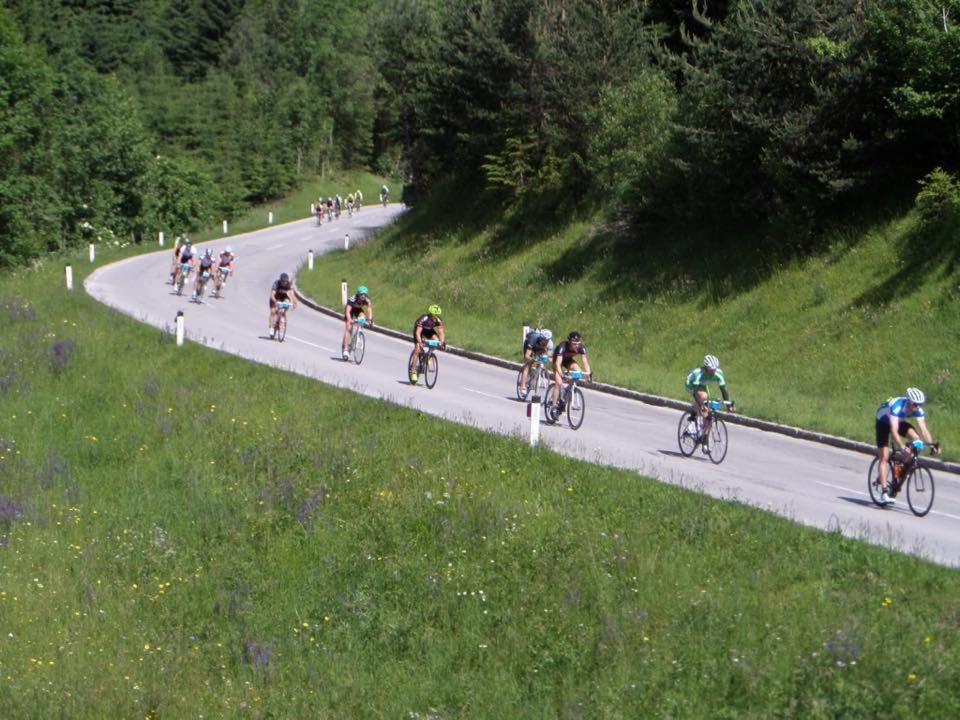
206, 263
427, 327
177, 247
281, 291
357, 199
565, 359
224, 267
697, 381
350, 203
892, 423
384, 194
330, 209
538, 342
357, 306
186, 256
337, 205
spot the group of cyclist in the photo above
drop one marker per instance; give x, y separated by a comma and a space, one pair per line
205, 266
892, 421
330, 207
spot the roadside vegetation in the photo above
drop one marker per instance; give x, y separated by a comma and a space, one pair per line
187, 533
818, 341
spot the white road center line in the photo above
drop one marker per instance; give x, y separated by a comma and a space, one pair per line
307, 342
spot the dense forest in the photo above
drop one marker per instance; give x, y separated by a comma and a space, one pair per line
120, 117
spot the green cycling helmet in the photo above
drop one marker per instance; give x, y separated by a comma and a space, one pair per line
362, 290
435, 310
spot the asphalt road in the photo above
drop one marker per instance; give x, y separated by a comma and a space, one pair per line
807, 482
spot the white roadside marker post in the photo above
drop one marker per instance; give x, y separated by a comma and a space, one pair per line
346, 241
313, 209
310, 259
93, 253
69, 272
343, 292
270, 218
533, 412
224, 227
180, 322
160, 238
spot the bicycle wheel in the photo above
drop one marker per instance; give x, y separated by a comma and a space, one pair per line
180, 281
412, 369
432, 370
576, 408
281, 328
717, 442
873, 480
550, 413
523, 388
687, 434
359, 346
920, 491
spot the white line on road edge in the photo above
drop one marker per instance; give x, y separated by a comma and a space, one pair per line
307, 342
485, 394
861, 492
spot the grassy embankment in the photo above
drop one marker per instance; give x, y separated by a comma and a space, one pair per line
183, 533
817, 343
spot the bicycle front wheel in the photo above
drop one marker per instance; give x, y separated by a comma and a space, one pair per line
920, 491
359, 346
717, 444
431, 371
687, 434
281, 329
523, 388
550, 413
873, 480
576, 408
180, 282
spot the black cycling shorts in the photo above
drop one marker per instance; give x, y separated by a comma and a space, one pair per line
425, 334
883, 430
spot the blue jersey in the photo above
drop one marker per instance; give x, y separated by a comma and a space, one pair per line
897, 407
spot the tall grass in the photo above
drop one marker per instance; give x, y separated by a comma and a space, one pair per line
818, 342
185, 533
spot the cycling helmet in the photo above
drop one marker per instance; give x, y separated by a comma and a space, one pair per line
574, 335
284, 277
228, 249
434, 310
362, 290
916, 396
546, 335
208, 253
711, 362
186, 241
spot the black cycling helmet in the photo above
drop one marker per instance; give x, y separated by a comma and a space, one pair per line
574, 336
284, 277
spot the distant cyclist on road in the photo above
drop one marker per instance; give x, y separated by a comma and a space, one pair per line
893, 424
357, 199
565, 360
205, 268
359, 305
186, 256
280, 291
697, 382
538, 342
384, 194
224, 267
427, 327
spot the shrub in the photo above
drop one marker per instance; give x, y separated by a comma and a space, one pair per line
938, 201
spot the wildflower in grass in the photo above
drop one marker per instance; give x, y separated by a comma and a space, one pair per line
887, 602
259, 654
61, 354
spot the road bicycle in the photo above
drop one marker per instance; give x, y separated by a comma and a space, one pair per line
905, 469
182, 276
709, 432
198, 293
319, 210
383, 198
428, 368
280, 324
570, 400
220, 282
358, 341
536, 378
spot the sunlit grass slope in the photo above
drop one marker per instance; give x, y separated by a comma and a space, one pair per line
186, 534
818, 343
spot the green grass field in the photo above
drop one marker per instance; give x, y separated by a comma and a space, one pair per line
184, 534
817, 343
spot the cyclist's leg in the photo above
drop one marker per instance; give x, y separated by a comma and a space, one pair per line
883, 450
527, 362
347, 327
272, 319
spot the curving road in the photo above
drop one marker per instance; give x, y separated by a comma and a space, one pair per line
810, 483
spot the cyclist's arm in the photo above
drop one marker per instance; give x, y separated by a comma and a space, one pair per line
895, 432
586, 364
924, 431
369, 312
442, 333
726, 395
418, 335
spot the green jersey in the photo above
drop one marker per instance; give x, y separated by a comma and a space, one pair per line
698, 377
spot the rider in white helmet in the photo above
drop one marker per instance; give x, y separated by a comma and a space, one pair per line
538, 343
893, 424
697, 381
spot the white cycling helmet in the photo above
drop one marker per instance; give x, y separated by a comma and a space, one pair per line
228, 249
711, 362
916, 396
546, 334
